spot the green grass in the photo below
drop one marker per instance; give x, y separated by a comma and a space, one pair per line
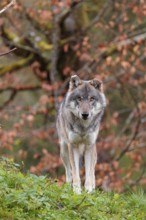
32, 197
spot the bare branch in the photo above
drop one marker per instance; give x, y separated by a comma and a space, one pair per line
98, 17
16, 65
139, 178
7, 6
16, 89
10, 51
127, 122
11, 98
136, 131
141, 146
55, 54
113, 48
21, 88
131, 40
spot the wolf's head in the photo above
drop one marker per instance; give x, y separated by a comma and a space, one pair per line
85, 99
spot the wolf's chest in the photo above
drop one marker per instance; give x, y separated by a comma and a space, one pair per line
79, 138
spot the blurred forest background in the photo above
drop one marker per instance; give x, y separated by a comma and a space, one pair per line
55, 39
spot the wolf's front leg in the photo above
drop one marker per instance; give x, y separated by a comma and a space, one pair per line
74, 161
90, 162
64, 153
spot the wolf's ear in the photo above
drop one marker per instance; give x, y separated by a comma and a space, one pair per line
97, 84
74, 82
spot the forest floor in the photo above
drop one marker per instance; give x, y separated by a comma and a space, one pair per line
31, 197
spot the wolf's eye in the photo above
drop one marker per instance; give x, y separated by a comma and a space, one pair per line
92, 99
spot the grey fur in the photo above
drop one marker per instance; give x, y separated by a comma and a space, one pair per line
78, 124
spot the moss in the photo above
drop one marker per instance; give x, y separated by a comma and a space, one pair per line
16, 65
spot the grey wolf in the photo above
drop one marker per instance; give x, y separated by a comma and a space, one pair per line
78, 125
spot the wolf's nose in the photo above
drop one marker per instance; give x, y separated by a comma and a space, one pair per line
85, 115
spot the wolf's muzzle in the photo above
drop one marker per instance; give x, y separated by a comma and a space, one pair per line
85, 116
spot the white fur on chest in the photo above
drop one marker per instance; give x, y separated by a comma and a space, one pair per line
82, 139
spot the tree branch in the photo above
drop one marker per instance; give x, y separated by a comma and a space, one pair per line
16, 65
11, 98
141, 146
7, 6
16, 89
98, 17
113, 48
134, 135
10, 51
55, 54
139, 178
21, 88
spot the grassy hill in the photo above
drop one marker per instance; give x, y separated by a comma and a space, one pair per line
31, 197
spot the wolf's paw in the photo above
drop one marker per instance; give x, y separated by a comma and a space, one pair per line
77, 189
89, 188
